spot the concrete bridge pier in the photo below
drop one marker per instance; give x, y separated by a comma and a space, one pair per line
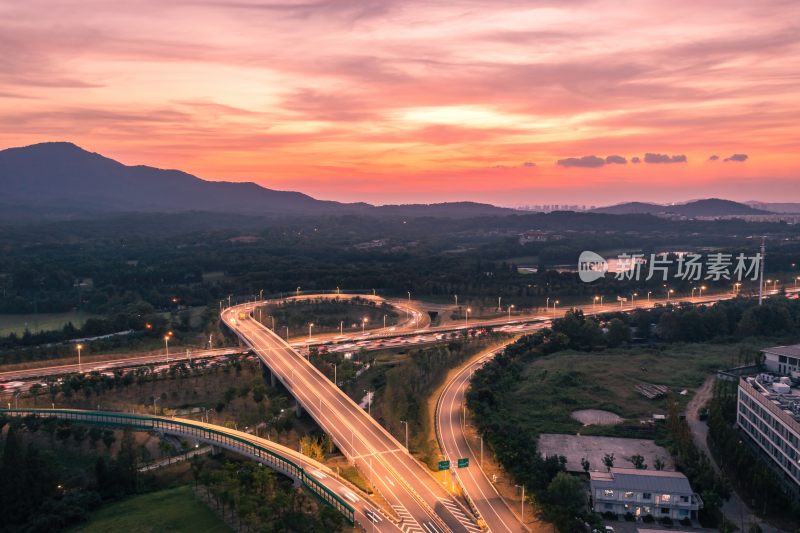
267, 372
298, 410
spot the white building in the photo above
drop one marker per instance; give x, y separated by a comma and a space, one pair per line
644, 492
783, 360
768, 412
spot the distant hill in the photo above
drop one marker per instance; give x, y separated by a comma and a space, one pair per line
60, 180
776, 207
711, 207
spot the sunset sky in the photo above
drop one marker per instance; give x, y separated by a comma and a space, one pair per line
501, 101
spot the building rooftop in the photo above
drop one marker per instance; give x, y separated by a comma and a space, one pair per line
792, 350
780, 390
642, 480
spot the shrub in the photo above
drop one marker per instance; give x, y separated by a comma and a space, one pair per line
665, 520
686, 522
648, 519
608, 515
629, 517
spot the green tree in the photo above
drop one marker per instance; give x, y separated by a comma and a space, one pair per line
608, 461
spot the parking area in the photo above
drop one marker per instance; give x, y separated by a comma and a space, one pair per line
576, 447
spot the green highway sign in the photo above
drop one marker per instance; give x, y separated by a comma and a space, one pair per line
463, 462
444, 465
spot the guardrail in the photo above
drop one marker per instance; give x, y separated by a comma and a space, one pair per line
205, 433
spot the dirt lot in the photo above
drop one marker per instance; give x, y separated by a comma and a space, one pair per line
575, 447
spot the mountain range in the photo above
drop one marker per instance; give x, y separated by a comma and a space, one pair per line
58, 180
711, 207
61, 178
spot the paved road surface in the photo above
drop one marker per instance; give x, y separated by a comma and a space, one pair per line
417, 498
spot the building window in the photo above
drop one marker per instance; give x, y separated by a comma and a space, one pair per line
665, 498
685, 499
608, 492
628, 494
684, 512
608, 506
665, 510
646, 496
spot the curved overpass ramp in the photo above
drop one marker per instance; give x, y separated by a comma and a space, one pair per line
317, 478
419, 500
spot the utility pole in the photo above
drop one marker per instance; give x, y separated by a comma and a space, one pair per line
761, 271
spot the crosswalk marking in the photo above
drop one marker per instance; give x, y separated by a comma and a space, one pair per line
407, 522
458, 512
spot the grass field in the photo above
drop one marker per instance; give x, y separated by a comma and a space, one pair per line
163, 511
554, 386
40, 322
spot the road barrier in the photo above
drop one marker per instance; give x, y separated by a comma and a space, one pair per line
216, 436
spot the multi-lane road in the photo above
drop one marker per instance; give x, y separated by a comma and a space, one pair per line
419, 503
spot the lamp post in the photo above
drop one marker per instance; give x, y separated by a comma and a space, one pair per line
499, 299
287, 332
364, 324
522, 507
594, 301
79, 347
702, 288
384, 321
633, 295
341, 327
154, 405
166, 343
369, 401
406, 424
547, 305
297, 291
648, 296
261, 295
466, 316
456, 297
310, 325
338, 291
554, 306
510, 307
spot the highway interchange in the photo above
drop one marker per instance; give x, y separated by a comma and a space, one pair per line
417, 500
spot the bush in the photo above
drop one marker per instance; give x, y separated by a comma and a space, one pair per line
629, 517
648, 519
608, 515
665, 520
686, 522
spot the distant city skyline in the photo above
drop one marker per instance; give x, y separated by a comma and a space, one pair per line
388, 101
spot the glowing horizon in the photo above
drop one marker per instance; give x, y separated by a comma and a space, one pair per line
391, 101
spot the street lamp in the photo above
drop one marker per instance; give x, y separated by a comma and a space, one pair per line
369, 401
510, 307
406, 424
456, 297
338, 291
466, 316
522, 507
364, 324
154, 405
648, 296
499, 299
594, 301
693, 289
166, 343
633, 295
261, 294
795, 282
669, 291
310, 325
384, 321
297, 291
547, 305
341, 327
79, 347
702, 288
554, 306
